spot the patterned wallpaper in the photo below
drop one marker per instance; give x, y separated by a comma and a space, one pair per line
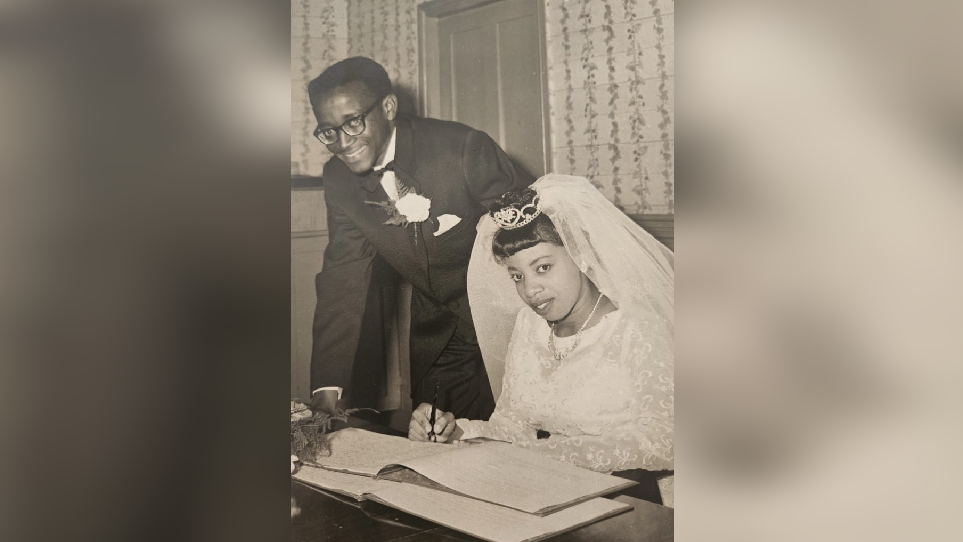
610, 70
387, 31
319, 38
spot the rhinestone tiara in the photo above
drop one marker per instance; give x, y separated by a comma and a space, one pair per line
510, 218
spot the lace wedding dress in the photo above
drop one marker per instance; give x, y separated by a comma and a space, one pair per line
609, 405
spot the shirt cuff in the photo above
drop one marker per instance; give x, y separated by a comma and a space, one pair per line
328, 388
469, 429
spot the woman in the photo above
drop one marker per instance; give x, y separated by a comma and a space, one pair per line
588, 373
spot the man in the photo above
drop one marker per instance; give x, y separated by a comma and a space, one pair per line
442, 174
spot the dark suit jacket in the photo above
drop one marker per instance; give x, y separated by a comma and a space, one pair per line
460, 170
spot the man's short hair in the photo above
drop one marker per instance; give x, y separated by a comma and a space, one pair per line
350, 70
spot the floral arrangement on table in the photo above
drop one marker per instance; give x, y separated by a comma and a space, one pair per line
309, 432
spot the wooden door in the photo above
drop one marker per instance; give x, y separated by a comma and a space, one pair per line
483, 65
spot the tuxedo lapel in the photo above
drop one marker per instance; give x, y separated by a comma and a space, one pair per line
371, 182
393, 242
405, 168
405, 159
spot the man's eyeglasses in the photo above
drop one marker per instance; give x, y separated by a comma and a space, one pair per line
354, 126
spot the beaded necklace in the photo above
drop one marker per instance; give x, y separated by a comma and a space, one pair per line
559, 355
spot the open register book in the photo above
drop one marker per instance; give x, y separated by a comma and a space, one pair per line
493, 472
477, 518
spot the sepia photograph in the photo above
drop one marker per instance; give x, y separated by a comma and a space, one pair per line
821, 293
482, 270
447, 233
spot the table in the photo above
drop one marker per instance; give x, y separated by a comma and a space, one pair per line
329, 517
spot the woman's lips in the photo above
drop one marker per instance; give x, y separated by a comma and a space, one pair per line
542, 307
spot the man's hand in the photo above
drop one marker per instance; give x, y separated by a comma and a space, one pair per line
325, 401
419, 427
295, 509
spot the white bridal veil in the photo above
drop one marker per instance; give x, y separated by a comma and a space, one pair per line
624, 261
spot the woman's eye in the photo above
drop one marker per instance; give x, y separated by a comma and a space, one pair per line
544, 267
516, 277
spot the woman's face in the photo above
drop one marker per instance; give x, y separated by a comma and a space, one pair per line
549, 282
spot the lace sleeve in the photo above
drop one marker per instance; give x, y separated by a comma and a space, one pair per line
645, 445
504, 425
640, 436
643, 438
643, 449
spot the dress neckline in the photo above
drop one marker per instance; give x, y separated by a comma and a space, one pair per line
607, 320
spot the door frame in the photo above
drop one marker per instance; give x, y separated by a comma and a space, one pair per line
429, 99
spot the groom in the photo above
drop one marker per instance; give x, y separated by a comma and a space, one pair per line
403, 196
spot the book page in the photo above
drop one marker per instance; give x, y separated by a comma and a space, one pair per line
488, 521
362, 452
500, 473
352, 485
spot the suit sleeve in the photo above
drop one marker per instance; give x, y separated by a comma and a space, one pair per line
342, 290
489, 172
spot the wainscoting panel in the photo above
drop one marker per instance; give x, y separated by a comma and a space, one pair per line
307, 255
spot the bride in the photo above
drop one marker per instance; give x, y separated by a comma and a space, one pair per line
588, 368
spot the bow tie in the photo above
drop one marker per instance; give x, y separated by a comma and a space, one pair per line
372, 179
390, 166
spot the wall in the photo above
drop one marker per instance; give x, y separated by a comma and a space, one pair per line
319, 38
611, 67
388, 32
611, 76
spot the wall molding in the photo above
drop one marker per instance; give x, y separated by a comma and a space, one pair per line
662, 227
305, 182
304, 234
442, 8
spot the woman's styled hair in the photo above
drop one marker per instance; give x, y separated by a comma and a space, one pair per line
507, 243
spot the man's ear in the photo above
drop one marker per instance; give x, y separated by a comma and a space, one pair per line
390, 106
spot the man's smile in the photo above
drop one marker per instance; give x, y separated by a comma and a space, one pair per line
353, 154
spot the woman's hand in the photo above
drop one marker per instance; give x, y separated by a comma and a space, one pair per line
419, 427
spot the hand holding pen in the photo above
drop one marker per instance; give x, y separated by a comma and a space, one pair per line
431, 419
423, 429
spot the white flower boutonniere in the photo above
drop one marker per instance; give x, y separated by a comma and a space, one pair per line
409, 208
413, 208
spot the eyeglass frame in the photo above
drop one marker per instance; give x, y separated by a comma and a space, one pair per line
361, 117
